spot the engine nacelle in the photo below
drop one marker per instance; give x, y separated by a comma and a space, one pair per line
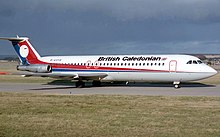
37, 68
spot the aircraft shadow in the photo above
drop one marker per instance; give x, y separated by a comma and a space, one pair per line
158, 84
54, 88
67, 84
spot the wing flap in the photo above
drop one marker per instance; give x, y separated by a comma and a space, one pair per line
82, 76
92, 76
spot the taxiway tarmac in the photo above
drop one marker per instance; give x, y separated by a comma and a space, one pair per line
134, 89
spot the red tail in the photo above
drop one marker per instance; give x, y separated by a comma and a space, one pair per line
25, 51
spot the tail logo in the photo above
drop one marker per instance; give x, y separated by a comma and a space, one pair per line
24, 51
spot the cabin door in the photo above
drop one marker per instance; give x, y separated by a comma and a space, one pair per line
173, 66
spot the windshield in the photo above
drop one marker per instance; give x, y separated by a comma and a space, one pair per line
194, 62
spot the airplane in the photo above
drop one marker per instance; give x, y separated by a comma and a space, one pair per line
110, 68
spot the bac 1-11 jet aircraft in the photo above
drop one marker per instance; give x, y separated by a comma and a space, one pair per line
109, 68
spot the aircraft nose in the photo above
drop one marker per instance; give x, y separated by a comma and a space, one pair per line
212, 71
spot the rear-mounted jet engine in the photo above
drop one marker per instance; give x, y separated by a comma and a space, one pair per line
37, 68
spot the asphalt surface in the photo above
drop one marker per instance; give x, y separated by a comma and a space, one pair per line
115, 89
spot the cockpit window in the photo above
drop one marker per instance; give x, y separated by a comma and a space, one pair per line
195, 62
189, 62
199, 61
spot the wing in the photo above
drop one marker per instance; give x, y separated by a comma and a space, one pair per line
90, 76
81, 76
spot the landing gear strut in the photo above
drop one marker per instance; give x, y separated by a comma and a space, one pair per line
176, 84
80, 84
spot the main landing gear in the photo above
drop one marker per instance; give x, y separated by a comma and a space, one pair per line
81, 84
176, 84
96, 83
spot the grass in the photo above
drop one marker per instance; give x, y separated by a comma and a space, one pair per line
24, 114
20, 79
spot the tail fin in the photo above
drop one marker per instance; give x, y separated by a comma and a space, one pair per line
25, 51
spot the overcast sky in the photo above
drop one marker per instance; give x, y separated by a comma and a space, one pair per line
70, 27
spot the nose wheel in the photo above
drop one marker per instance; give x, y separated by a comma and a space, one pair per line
176, 84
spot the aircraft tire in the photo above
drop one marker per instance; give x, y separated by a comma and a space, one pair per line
96, 83
80, 84
176, 86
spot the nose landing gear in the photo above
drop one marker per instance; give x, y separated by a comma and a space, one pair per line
176, 84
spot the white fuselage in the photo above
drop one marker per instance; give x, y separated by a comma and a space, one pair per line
170, 68
133, 67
